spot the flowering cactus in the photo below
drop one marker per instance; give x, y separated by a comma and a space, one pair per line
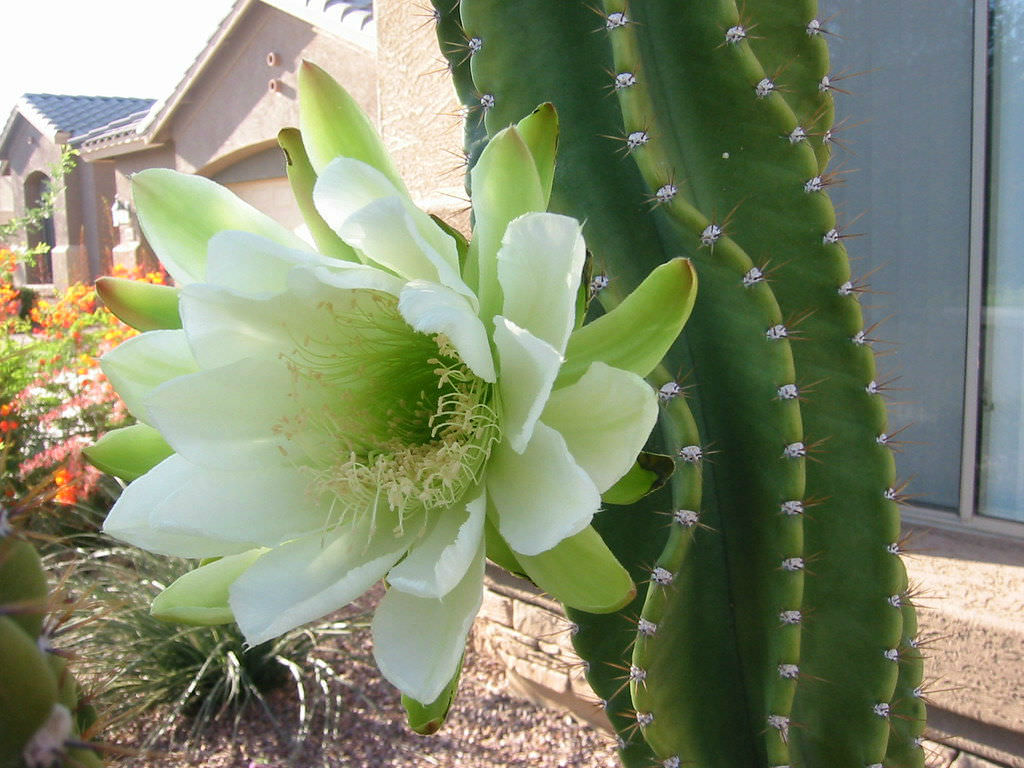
396, 406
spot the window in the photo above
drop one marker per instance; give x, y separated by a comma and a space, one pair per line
925, 88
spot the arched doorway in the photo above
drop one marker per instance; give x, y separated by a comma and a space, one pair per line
41, 233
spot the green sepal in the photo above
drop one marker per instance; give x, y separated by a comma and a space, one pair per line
650, 472
23, 589
200, 597
636, 334
583, 297
129, 452
427, 719
539, 130
180, 212
505, 185
143, 306
498, 551
461, 243
334, 125
302, 178
582, 573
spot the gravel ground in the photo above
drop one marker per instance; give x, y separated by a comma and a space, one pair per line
488, 727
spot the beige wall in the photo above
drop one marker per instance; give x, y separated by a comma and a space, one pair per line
229, 111
420, 115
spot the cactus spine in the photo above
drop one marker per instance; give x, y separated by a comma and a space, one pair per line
776, 629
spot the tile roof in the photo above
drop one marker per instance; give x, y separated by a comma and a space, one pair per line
81, 115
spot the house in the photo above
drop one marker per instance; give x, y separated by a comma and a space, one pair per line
934, 198
221, 121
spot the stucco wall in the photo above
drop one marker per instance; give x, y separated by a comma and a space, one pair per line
420, 116
229, 111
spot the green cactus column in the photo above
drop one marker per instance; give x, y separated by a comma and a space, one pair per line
771, 632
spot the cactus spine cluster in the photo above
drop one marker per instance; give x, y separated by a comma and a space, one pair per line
44, 719
775, 628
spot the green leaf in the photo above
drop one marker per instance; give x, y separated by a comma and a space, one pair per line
143, 306
334, 125
582, 573
200, 597
637, 333
179, 213
650, 472
540, 132
302, 178
129, 452
426, 719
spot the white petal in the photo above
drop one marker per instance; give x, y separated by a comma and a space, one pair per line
438, 563
418, 642
233, 417
539, 267
393, 234
142, 363
432, 308
528, 369
267, 506
224, 327
542, 495
605, 418
129, 519
344, 186
310, 577
252, 264
310, 282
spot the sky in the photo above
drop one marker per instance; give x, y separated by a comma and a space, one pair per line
137, 48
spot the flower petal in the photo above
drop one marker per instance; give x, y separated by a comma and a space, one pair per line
542, 495
346, 185
200, 597
143, 306
334, 125
252, 264
539, 267
140, 364
419, 642
435, 565
129, 519
312, 576
528, 369
506, 184
265, 505
432, 308
230, 417
605, 418
636, 334
387, 232
180, 212
128, 452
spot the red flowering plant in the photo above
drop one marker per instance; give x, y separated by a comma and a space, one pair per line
54, 399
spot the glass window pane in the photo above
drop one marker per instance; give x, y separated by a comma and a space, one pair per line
1002, 444
907, 118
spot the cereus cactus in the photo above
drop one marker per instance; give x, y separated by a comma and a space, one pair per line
775, 628
44, 719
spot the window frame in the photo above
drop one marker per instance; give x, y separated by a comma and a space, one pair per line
968, 516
